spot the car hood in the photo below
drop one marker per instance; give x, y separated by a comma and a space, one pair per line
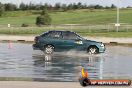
92, 41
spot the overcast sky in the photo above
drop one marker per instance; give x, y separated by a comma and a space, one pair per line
122, 3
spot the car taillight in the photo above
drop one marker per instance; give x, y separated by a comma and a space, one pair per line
36, 39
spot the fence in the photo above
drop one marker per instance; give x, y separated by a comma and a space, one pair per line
14, 29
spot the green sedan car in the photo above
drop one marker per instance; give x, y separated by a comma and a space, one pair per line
59, 41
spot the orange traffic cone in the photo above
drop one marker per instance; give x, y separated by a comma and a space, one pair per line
10, 46
86, 74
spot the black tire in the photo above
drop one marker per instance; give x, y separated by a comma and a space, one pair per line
85, 82
48, 49
93, 50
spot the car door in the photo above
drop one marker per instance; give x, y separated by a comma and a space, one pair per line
55, 38
71, 41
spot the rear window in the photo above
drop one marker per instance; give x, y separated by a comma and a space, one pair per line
46, 34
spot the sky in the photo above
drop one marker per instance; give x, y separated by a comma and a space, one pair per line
122, 3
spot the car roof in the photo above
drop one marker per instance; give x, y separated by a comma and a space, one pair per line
57, 31
60, 31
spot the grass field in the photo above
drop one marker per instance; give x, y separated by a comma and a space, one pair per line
70, 17
83, 32
103, 18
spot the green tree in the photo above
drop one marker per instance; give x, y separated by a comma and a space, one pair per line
113, 6
64, 7
43, 19
23, 6
75, 6
2, 9
70, 7
57, 6
79, 5
10, 7
98, 7
107, 7
31, 6
44, 11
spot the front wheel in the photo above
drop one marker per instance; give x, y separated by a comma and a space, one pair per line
48, 49
93, 50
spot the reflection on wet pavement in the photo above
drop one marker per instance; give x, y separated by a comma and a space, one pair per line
22, 61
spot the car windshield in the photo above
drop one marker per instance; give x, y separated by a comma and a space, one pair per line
79, 37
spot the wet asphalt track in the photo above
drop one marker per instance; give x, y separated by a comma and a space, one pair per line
22, 63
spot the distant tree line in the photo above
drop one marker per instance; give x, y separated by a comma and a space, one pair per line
57, 6
64, 7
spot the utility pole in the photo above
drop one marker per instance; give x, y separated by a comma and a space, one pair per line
118, 17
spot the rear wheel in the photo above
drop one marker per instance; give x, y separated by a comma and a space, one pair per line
48, 49
93, 50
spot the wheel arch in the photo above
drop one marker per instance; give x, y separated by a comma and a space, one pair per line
44, 48
47, 45
92, 46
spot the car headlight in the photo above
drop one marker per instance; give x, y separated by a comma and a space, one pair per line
102, 45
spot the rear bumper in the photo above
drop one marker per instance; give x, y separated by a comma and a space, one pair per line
35, 47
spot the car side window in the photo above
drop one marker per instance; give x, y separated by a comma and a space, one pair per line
69, 35
55, 34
